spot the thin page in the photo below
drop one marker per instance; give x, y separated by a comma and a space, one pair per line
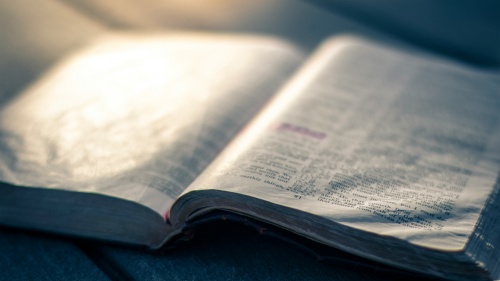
139, 116
375, 139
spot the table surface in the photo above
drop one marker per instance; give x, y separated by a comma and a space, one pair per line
223, 251
35, 36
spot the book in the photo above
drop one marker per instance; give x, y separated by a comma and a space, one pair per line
384, 152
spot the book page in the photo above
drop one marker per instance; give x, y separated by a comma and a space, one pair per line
139, 116
375, 139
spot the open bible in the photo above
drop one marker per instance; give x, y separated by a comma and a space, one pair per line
386, 153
